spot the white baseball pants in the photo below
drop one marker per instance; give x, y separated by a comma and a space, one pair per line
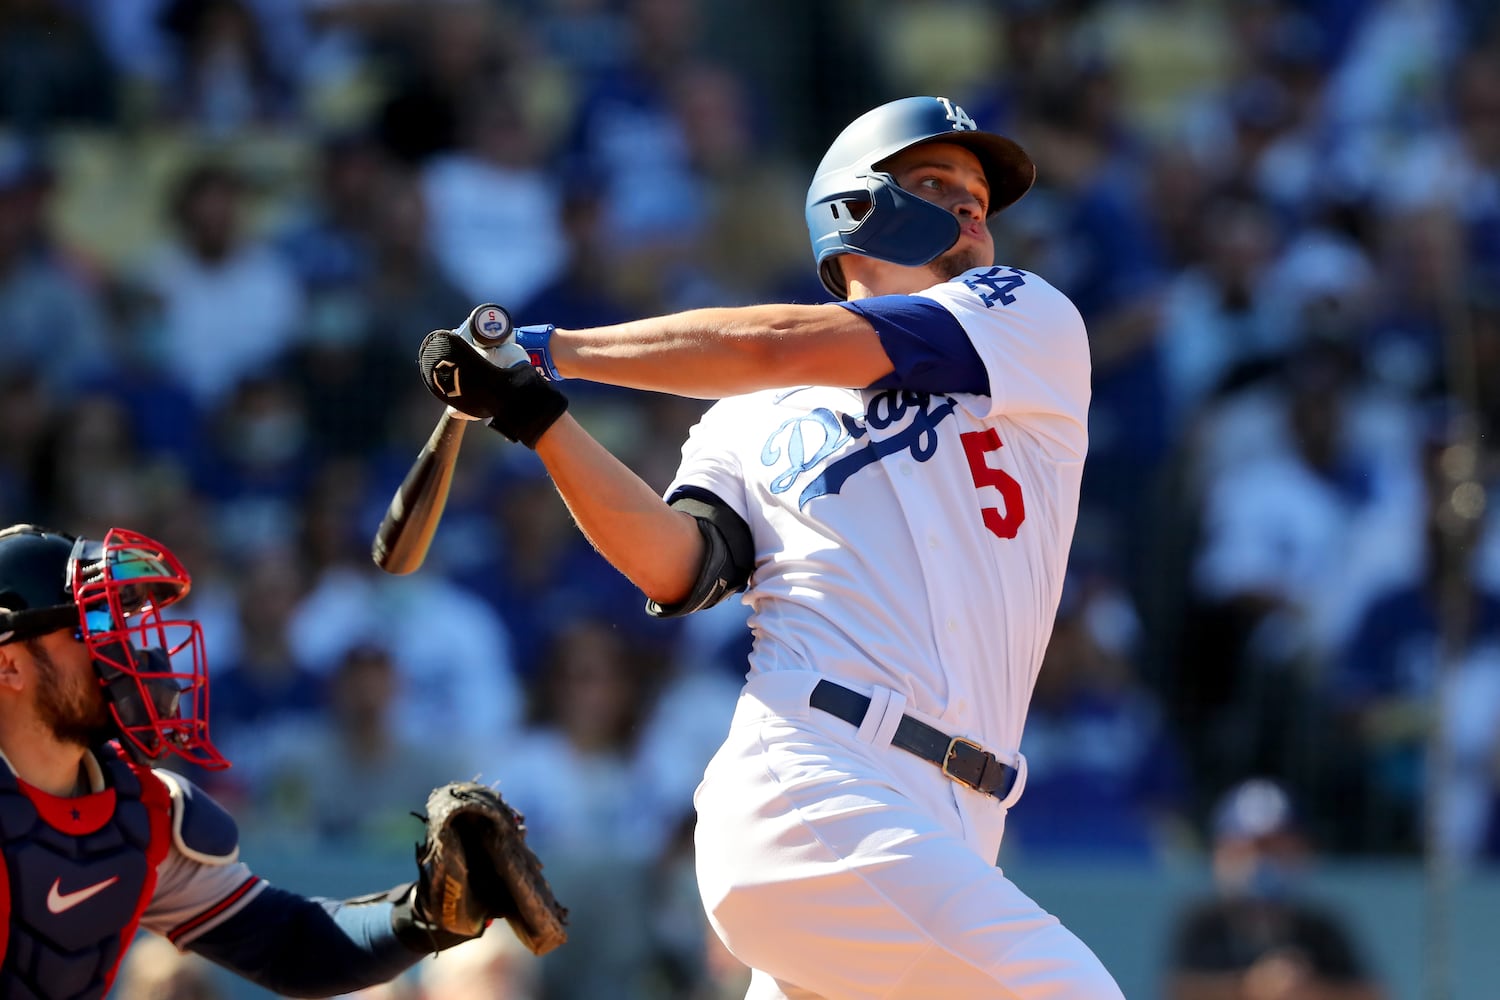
840, 867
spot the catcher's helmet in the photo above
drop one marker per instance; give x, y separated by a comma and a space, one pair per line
854, 205
34, 594
112, 595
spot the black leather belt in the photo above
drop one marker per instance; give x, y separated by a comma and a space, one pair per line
962, 760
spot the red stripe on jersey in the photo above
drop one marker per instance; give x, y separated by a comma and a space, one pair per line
215, 910
158, 800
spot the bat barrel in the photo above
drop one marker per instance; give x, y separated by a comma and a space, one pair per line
411, 520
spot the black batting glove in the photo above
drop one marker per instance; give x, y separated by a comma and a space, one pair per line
517, 401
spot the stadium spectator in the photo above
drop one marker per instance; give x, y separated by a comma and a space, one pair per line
1108, 261
155, 970
257, 461
494, 969
1261, 937
91, 468
494, 210
1425, 653
373, 279
328, 243
454, 676
52, 69
264, 687
1213, 318
222, 75
696, 696
406, 289
436, 59
542, 573
627, 134
602, 816
230, 305
1105, 777
350, 781
1309, 492
49, 312
26, 413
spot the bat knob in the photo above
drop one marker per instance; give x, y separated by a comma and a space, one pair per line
488, 325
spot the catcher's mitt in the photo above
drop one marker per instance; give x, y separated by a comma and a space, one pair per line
475, 867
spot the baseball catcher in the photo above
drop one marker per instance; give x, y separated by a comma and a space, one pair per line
101, 680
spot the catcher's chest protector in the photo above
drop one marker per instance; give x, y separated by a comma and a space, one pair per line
77, 875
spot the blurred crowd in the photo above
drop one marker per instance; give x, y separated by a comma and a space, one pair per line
226, 224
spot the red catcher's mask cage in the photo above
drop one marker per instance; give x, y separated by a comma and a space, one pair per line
153, 669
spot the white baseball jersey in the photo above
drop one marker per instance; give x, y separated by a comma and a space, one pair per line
917, 541
912, 545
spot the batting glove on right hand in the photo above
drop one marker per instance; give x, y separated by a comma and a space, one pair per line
517, 401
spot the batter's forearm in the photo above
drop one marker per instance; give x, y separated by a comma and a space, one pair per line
659, 549
713, 353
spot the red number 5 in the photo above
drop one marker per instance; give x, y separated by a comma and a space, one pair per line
977, 444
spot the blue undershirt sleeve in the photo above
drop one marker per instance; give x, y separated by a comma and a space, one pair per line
308, 947
929, 348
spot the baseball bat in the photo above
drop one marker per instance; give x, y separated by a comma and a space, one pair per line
411, 520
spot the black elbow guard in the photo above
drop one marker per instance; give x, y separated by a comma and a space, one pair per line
728, 553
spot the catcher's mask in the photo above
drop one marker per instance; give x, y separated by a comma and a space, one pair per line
113, 593
855, 206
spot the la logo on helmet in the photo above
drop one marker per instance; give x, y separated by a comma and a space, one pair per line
959, 117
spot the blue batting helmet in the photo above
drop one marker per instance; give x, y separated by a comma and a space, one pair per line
854, 205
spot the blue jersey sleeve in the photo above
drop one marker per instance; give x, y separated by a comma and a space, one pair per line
929, 348
309, 947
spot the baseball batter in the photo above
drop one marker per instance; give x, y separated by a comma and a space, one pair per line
893, 480
96, 684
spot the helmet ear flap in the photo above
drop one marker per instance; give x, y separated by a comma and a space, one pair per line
894, 225
901, 227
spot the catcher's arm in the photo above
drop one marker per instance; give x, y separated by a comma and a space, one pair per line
299, 946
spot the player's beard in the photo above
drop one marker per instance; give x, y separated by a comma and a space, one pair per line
71, 706
956, 261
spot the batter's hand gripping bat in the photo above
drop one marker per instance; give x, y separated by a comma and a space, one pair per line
411, 520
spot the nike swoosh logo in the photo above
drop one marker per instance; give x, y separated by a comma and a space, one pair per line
61, 902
